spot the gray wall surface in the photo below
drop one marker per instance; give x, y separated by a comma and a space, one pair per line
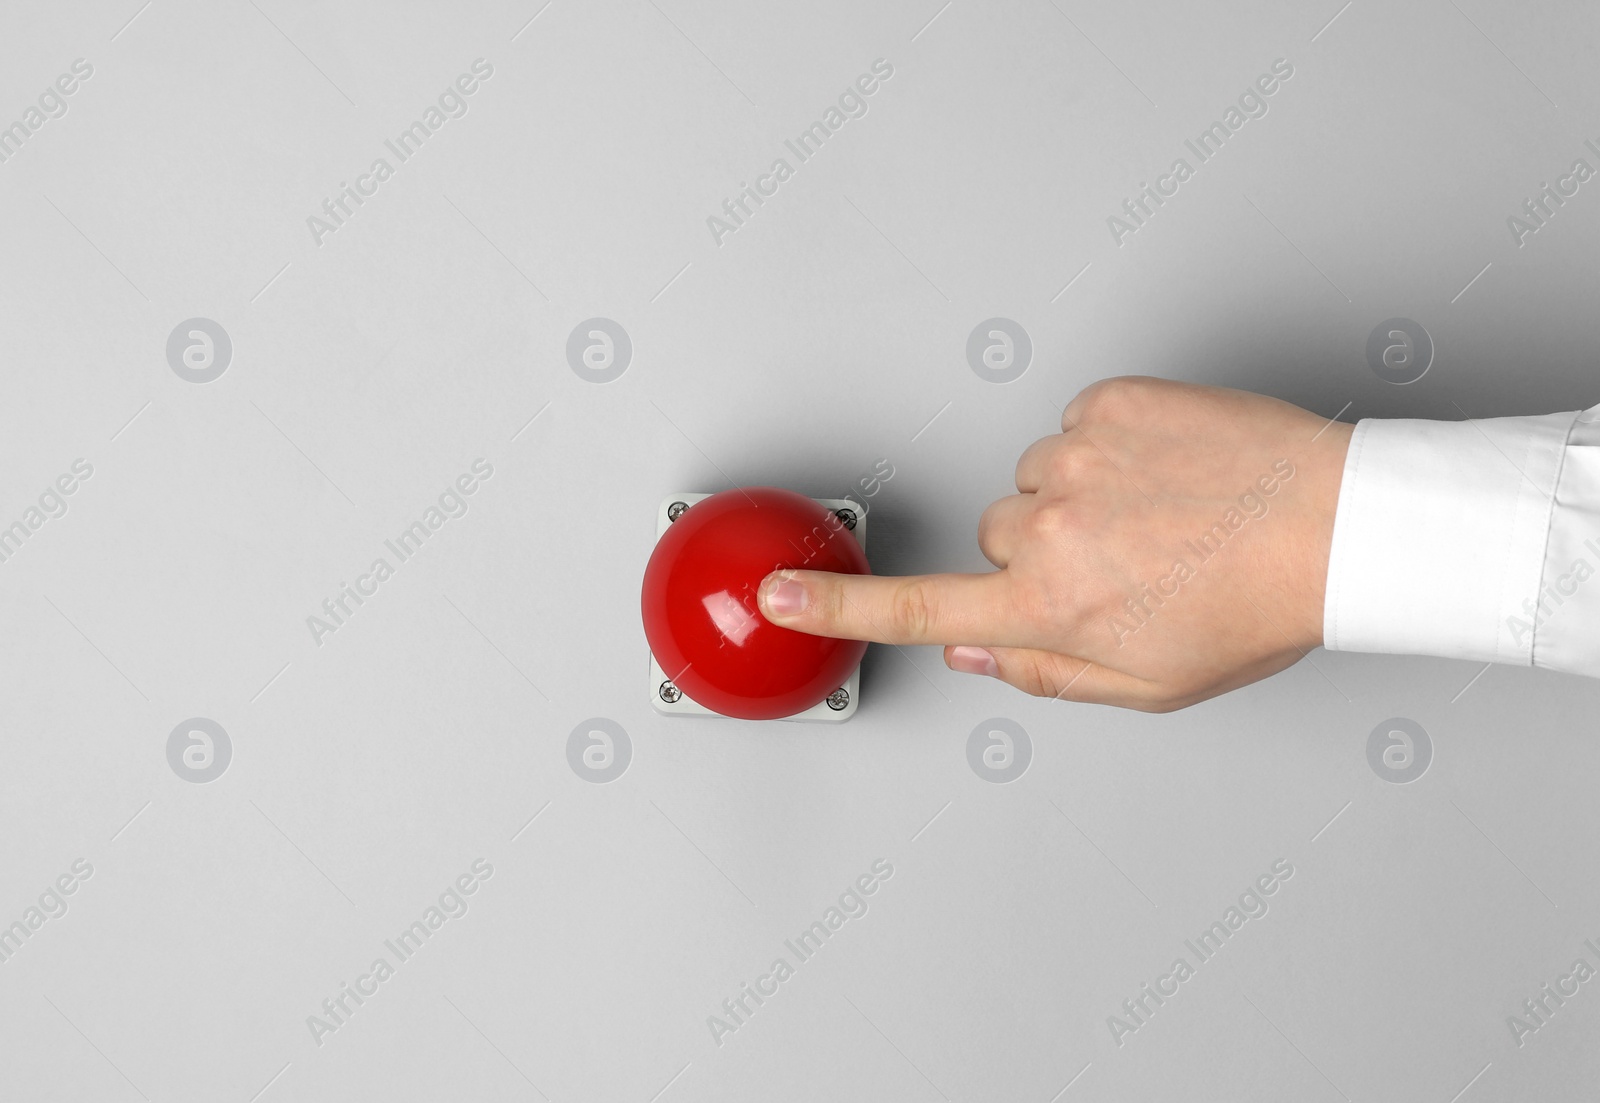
219, 815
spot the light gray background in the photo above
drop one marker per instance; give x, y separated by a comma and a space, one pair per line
826, 334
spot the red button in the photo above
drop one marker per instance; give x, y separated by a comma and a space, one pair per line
700, 612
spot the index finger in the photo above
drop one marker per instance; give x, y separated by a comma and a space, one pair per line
913, 609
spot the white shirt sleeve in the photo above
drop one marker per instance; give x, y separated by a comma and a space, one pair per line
1471, 540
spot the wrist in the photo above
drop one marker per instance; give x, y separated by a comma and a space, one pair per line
1325, 466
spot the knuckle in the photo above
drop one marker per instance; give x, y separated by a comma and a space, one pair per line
1116, 399
838, 609
1045, 675
1049, 521
1035, 681
1048, 610
1069, 465
912, 609
1075, 623
986, 523
825, 602
1034, 463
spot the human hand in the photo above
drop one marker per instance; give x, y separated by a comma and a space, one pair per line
1169, 545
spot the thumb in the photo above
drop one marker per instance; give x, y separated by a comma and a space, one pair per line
1049, 674
916, 609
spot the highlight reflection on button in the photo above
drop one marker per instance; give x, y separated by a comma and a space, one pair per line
732, 619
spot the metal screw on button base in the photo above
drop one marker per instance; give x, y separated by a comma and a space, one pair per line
670, 693
676, 510
847, 517
839, 699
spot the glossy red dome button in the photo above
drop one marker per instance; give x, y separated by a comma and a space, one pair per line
699, 603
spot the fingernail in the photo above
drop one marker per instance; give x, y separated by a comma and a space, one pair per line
786, 598
974, 660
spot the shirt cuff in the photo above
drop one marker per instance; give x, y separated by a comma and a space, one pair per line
1442, 533
1564, 618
